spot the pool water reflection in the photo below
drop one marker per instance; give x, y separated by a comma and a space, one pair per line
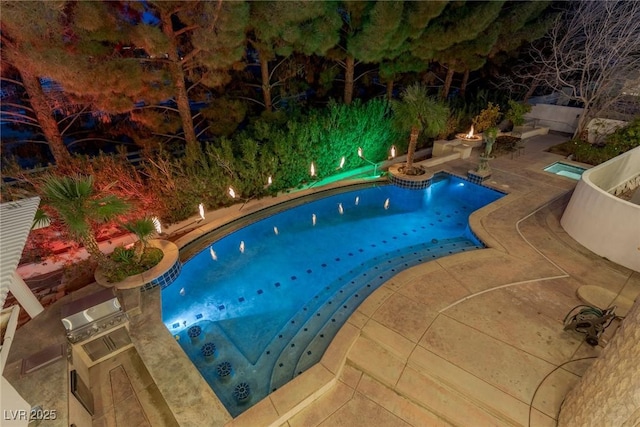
260, 305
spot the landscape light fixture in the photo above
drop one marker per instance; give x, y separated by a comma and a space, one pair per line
233, 195
156, 224
375, 165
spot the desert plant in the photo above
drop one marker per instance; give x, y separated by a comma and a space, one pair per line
417, 112
489, 136
487, 118
143, 228
77, 205
515, 113
125, 264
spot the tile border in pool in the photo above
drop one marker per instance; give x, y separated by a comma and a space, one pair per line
199, 239
162, 274
410, 182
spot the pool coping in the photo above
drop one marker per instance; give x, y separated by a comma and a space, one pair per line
297, 394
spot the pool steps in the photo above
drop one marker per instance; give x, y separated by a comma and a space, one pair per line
329, 310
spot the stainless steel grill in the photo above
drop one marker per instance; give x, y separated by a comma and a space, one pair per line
91, 315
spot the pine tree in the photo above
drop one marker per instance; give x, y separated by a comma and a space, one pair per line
277, 30
197, 43
77, 47
27, 29
518, 22
458, 23
399, 59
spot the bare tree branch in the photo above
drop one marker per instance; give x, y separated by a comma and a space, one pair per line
593, 50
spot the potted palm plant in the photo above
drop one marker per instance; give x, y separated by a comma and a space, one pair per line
138, 258
79, 207
417, 112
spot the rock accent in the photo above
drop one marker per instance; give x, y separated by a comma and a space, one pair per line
627, 186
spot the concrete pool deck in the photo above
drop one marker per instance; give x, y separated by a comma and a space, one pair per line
472, 339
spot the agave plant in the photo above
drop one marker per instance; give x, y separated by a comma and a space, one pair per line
75, 201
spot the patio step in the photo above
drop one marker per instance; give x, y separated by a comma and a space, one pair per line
443, 389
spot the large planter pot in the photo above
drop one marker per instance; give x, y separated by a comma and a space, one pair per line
155, 276
403, 180
162, 274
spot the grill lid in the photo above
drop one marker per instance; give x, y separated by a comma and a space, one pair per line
90, 309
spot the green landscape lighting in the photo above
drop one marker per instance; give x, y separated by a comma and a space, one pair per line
375, 165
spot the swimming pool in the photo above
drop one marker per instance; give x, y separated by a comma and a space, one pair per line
259, 306
564, 169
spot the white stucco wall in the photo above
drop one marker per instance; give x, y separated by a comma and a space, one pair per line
602, 222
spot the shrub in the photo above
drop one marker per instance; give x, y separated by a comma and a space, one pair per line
621, 141
488, 118
515, 113
124, 264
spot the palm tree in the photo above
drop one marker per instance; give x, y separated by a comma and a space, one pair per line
417, 112
78, 208
143, 228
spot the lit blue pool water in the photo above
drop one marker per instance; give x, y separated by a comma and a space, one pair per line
563, 169
260, 305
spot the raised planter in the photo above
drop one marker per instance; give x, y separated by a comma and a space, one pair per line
412, 182
162, 274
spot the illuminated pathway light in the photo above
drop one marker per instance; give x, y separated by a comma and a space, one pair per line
156, 224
